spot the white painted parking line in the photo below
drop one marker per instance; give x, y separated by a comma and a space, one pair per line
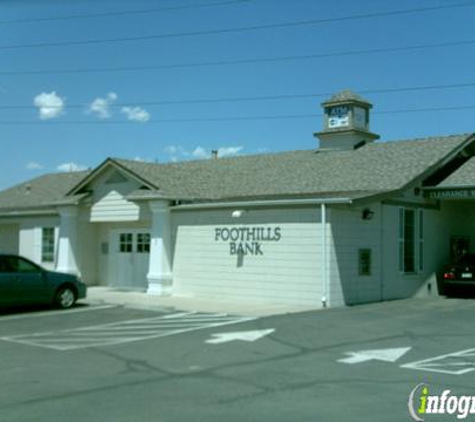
126, 331
248, 336
384, 355
457, 363
55, 312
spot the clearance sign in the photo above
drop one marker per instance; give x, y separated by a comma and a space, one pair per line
247, 240
451, 194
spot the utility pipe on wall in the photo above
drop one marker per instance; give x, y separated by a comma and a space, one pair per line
326, 283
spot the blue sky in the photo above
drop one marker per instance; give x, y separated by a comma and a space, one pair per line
53, 120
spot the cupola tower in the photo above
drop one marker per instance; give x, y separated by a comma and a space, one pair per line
345, 122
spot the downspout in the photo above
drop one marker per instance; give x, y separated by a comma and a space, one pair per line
381, 251
326, 281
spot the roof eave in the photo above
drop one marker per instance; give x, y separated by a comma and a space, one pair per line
28, 212
449, 156
261, 203
448, 187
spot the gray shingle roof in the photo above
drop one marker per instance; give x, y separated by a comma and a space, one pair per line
44, 191
370, 170
345, 96
464, 176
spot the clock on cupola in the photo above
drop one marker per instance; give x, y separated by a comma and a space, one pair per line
345, 122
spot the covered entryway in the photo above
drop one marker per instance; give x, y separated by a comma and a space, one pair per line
129, 258
455, 235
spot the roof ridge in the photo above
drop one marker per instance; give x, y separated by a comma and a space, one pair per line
210, 159
288, 152
426, 138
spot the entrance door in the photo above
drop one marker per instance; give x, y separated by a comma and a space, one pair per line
129, 258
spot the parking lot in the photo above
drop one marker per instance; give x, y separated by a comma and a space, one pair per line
114, 363
116, 333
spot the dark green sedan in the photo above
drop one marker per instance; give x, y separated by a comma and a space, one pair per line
24, 282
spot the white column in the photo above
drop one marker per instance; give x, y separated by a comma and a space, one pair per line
159, 271
67, 242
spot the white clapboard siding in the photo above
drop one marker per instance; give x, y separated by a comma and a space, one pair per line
109, 202
288, 272
114, 207
350, 233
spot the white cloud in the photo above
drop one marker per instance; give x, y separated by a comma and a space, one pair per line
49, 105
200, 153
176, 150
178, 153
71, 166
100, 107
171, 149
33, 165
136, 114
172, 152
142, 160
229, 151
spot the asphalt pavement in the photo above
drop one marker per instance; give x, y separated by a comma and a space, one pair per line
109, 362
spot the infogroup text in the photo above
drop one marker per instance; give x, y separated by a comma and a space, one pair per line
422, 403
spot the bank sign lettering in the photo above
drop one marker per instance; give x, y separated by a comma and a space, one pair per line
247, 240
452, 194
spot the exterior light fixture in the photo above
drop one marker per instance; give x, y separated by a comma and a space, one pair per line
237, 213
367, 214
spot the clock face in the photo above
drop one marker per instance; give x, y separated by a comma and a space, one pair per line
360, 117
338, 116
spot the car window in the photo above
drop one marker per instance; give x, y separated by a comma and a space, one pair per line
25, 266
5, 266
19, 265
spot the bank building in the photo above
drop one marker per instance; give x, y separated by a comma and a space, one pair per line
354, 220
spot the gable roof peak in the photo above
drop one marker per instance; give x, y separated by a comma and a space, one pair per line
108, 163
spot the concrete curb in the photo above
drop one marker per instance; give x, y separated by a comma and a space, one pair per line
142, 300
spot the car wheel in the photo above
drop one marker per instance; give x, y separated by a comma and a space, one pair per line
65, 297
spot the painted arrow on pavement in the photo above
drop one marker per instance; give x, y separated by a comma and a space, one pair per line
385, 355
239, 335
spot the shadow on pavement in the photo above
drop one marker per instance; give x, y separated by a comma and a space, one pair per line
31, 309
460, 292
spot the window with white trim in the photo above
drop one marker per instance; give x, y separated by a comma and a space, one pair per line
143, 242
411, 240
420, 241
47, 244
125, 242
